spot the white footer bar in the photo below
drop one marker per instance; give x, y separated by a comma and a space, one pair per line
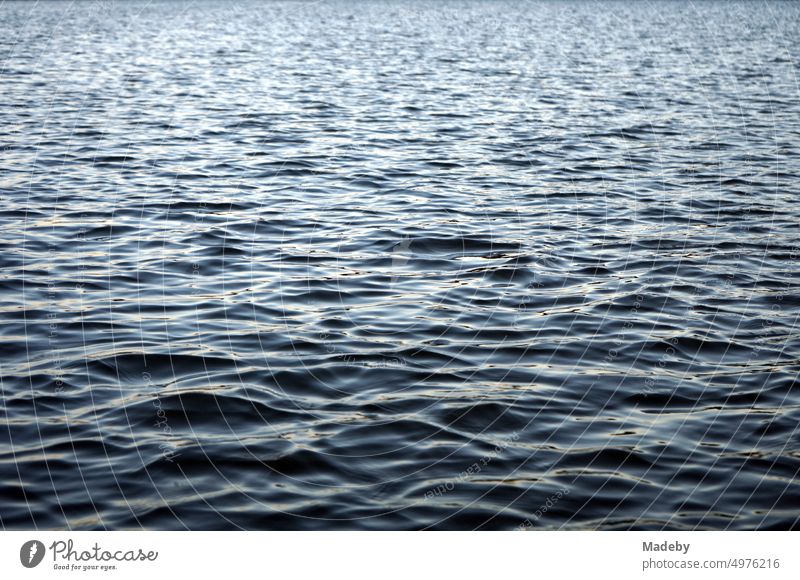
357, 555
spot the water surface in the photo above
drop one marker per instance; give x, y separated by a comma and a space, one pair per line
399, 265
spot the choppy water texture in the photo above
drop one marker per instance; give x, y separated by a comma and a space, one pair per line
400, 265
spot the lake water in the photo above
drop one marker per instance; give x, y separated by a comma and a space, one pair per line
399, 265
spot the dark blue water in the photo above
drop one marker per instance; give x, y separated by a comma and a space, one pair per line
399, 265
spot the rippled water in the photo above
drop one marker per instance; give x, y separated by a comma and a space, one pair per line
400, 265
